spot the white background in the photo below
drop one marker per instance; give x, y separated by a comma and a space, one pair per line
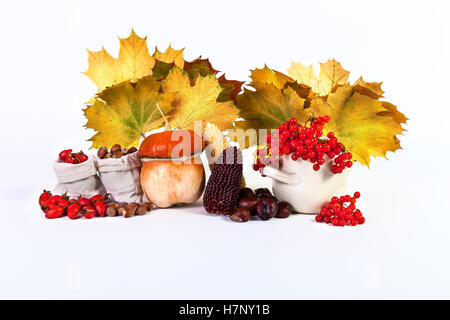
401, 252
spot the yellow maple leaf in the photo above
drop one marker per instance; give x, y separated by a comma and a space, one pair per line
331, 74
124, 112
371, 89
268, 106
356, 121
269, 76
134, 62
195, 103
170, 56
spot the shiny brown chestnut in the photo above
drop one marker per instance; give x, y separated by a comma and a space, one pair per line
241, 215
246, 193
284, 210
249, 203
259, 191
266, 208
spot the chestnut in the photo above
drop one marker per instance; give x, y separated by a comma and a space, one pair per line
240, 215
259, 191
246, 193
248, 203
116, 148
266, 208
102, 152
284, 210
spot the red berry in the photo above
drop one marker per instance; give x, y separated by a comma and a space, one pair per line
84, 202
357, 194
54, 212
361, 220
316, 167
74, 211
100, 208
334, 199
88, 212
63, 154
45, 195
327, 219
81, 156
335, 221
97, 197
63, 203
354, 222
319, 218
342, 222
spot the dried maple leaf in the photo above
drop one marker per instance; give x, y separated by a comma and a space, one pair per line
134, 62
331, 74
170, 56
124, 112
198, 102
269, 76
371, 89
355, 119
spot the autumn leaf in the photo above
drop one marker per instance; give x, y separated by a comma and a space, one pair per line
170, 56
199, 67
371, 89
331, 74
269, 76
356, 121
133, 63
268, 106
198, 102
124, 112
230, 89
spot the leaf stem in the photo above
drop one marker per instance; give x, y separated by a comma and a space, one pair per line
166, 122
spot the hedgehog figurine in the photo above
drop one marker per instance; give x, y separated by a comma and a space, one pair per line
222, 190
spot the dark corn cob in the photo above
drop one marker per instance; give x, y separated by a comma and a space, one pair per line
222, 189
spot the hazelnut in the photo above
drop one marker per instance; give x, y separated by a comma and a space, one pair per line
284, 210
115, 148
141, 211
129, 210
266, 208
111, 211
148, 206
240, 215
102, 152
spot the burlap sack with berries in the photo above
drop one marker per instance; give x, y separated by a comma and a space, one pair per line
77, 179
121, 177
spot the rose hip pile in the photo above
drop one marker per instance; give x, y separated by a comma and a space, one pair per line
306, 143
341, 211
56, 206
68, 156
260, 203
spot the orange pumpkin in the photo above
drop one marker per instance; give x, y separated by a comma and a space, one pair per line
172, 171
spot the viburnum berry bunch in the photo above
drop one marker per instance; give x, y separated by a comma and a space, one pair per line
68, 156
306, 143
341, 211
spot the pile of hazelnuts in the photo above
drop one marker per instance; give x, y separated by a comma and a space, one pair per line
260, 203
128, 210
115, 152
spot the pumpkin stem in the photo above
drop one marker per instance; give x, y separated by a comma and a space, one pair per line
166, 126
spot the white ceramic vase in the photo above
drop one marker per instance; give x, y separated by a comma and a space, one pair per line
305, 189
